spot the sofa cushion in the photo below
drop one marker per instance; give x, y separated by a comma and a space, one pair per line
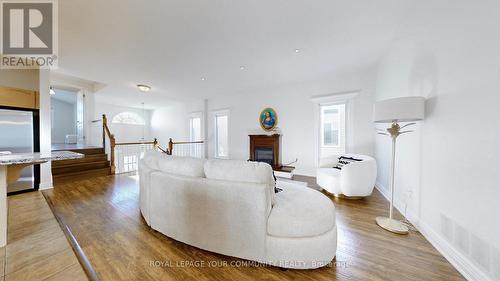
301, 212
184, 166
241, 171
151, 159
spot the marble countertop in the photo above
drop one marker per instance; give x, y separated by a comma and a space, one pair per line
37, 158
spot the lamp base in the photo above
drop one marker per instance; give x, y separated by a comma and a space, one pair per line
392, 225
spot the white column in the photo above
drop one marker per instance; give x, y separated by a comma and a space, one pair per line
205, 127
45, 126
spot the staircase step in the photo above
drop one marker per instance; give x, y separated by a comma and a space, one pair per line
81, 175
86, 151
87, 159
78, 167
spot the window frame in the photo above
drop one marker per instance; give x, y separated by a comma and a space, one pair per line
346, 98
216, 114
141, 118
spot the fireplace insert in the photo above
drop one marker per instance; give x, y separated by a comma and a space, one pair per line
264, 154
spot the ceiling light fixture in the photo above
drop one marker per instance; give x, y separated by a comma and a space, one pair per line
203, 78
242, 67
144, 88
297, 50
51, 91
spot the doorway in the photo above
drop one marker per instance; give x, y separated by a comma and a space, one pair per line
67, 117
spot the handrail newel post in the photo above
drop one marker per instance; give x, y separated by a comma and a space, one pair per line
170, 146
112, 154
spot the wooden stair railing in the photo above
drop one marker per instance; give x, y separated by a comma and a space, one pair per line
154, 143
171, 145
112, 142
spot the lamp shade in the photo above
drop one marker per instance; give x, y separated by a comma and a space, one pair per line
402, 109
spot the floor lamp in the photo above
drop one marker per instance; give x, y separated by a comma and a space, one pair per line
405, 109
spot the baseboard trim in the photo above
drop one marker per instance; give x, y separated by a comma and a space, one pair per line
468, 269
461, 263
381, 188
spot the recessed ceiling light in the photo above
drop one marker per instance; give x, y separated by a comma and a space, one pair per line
144, 88
242, 67
203, 78
297, 50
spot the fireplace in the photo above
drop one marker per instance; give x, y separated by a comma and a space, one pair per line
264, 154
265, 148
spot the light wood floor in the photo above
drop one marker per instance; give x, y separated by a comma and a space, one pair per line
104, 216
37, 249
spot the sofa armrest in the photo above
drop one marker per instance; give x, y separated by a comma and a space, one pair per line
329, 162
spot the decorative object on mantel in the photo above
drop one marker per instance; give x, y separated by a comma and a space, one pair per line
268, 119
404, 109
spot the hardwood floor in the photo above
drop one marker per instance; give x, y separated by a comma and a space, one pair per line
37, 248
104, 216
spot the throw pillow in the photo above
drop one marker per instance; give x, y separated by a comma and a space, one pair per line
344, 160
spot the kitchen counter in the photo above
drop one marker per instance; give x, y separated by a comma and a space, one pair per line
37, 158
10, 170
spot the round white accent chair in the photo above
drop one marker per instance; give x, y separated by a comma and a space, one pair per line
355, 180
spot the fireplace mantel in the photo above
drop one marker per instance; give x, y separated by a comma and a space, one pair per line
264, 143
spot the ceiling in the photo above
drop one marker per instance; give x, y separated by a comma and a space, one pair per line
171, 45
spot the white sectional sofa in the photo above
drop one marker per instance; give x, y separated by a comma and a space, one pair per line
229, 207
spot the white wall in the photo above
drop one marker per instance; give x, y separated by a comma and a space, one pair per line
63, 120
122, 132
170, 122
448, 52
22, 79
297, 117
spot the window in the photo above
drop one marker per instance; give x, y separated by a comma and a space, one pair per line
195, 127
129, 118
331, 120
129, 163
332, 129
333, 124
221, 134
